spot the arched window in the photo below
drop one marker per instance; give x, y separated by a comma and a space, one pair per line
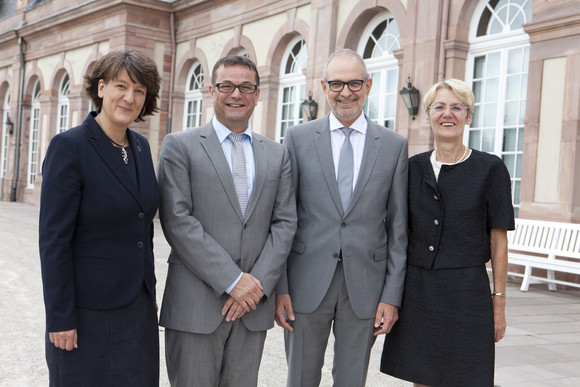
376, 47
497, 68
34, 128
5, 134
63, 105
193, 97
292, 86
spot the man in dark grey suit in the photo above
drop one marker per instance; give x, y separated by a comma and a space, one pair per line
228, 211
348, 260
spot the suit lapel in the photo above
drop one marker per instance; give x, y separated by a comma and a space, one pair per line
112, 157
213, 149
370, 153
139, 157
324, 150
261, 166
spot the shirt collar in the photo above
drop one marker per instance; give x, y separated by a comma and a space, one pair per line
223, 132
360, 125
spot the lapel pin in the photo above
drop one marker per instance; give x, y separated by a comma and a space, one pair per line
138, 148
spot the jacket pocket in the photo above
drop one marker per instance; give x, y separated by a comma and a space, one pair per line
298, 247
381, 254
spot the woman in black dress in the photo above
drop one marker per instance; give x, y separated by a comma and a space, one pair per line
459, 212
99, 196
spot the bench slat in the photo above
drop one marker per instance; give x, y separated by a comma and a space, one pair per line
552, 241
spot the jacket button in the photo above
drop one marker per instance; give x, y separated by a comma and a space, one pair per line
139, 244
335, 255
431, 248
343, 225
436, 222
141, 215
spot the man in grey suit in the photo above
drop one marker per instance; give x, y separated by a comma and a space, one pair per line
348, 260
228, 211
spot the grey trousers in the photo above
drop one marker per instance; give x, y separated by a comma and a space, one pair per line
354, 339
230, 356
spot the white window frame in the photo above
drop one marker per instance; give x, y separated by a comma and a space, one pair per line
193, 97
62, 122
295, 83
5, 135
34, 132
385, 86
500, 43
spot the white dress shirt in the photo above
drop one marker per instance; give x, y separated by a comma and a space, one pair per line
222, 133
357, 139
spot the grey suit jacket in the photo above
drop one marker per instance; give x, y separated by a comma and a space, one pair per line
211, 243
372, 233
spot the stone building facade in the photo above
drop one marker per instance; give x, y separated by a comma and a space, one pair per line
520, 56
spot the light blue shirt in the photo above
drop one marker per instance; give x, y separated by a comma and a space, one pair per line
222, 133
227, 145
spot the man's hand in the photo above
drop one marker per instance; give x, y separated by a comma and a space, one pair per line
247, 292
385, 318
64, 340
232, 310
284, 312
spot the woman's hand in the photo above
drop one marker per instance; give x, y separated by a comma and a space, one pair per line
64, 340
499, 320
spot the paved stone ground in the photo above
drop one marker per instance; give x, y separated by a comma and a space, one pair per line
541, 348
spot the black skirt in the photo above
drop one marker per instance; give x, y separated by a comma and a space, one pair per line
117, 347
445, 333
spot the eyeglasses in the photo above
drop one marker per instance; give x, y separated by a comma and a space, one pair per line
454, 108
227, 87
354, 85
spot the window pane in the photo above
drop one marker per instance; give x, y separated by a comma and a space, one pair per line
513, 89
475, 139
509, 140
515, 60
478, 66
476, 118
511, 114
516, 194
490, 114
518, 166
390, 105
521, 139
493, 64
491, 89
488, 140
477, 86
509, 161
391, 81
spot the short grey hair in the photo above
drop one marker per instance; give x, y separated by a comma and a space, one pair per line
458, 87
346, 53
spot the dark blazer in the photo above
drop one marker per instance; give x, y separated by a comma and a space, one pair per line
450, 220
96, 226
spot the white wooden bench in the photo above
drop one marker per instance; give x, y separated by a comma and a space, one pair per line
552, 246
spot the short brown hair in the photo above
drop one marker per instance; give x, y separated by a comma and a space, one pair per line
138, 66
235, 60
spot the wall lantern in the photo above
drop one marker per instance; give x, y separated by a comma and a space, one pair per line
9, 125
410, 96
310, 107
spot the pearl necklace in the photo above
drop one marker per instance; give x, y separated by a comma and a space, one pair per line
454, 162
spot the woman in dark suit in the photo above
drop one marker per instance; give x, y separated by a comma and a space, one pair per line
459, 212
99, 197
